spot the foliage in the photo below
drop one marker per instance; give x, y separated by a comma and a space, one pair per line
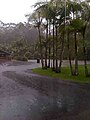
20, 50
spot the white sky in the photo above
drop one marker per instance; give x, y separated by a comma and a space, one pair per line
15, 10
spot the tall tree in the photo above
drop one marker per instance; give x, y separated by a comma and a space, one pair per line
37, 21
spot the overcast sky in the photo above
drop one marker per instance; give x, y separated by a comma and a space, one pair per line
15, 10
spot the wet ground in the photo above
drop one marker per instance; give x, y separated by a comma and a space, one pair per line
27, 96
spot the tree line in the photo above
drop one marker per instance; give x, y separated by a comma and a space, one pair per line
18, 39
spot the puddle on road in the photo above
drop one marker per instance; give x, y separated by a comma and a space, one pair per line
41, 107
52, 101
51, 108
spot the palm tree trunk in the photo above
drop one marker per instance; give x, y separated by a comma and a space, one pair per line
49, 47
49, 55
41, 54
69, 56
39, 32
76, 57
53, 47
85, 57
46, 45
61, 53
57, 70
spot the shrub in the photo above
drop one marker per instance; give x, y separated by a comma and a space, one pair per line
20, 58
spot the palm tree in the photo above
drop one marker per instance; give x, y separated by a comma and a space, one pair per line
49, 45
47, 15
41, 54
75, 9
76, 25
84, 51
56, 27
53, 17
63, 17
69, 31
36, 20
61, 22
85, 21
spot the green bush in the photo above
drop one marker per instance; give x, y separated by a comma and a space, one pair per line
24, 59
20, 58
27, 55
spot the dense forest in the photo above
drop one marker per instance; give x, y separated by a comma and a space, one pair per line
18, 39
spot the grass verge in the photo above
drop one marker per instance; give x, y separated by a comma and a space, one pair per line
65, 74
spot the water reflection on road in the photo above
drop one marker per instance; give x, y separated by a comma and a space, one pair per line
36, 107
49, 108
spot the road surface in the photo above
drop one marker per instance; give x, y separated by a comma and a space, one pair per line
28, 96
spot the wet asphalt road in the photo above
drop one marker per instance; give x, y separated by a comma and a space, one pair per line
27, 96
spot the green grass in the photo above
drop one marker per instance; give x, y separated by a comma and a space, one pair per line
65, 74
